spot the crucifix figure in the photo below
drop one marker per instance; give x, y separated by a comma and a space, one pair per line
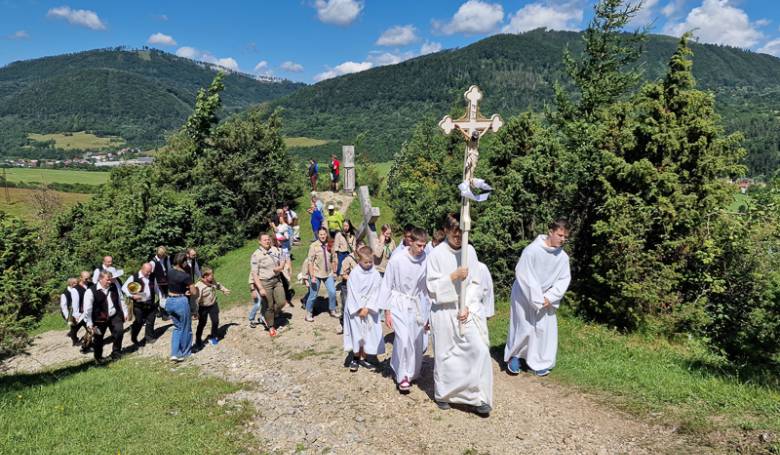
473, 126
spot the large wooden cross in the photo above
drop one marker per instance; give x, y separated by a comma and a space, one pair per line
473, 126
367, 229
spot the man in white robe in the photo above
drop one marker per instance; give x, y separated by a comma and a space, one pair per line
542, 276
463, 372
403, 297
362, 329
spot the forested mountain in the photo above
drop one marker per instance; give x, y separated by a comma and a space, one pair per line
135, 94
518, 73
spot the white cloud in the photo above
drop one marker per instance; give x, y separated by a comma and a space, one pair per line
338, 12
472, 18
400, 35
771, 48
389, 58
567, 16
646, 14
18, 35
716, 21
291, 67
187, 52
227, 62
763, 22
161, 17
344, 68
429, 48
673, 7
162, 39
261, 66
82, 17
208, 57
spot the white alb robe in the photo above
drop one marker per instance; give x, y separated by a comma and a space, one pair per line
463, 371
363, 288
542, 272
404, 295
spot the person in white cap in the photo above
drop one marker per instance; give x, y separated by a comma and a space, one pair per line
335, 220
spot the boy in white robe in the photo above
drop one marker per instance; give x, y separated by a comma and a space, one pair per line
403, 297
463, 372
542, 276
362, 329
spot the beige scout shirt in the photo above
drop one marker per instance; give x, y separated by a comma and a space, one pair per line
348, 265
321, 260
207, 293
344, 243
382, 253
264, 262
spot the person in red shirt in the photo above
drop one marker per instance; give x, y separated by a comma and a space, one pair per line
335, 169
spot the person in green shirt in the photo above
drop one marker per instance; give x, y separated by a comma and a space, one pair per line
335, 221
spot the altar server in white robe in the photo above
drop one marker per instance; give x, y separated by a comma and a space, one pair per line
362, 328
403, 297
542, 276
462, 372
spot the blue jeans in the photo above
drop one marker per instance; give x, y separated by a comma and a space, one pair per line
181, 339
314, 289
255, 308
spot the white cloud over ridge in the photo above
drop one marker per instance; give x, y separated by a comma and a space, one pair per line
400, 35
567, 16
80, 17
771, 48
342, 69
718, 22
338, 12
261, 66
472, 18
291, 67
205, 56
429, 47
18, 35
162, 39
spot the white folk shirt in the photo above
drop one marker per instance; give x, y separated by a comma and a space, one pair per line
74, 298
89, 299
146, 295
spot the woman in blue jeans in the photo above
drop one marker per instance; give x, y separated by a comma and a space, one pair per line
180, 289
322, 269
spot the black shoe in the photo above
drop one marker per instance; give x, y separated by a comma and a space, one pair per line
367, 364
134, 340
150, 340
75, 341
115, 355
483, 409
443, 405
142, 343
353, 366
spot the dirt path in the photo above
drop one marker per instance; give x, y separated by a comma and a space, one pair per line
306, 400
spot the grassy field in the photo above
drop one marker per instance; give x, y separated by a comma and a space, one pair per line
80, 140
48, 176
130, 406
20, 201
672, 384
303, 142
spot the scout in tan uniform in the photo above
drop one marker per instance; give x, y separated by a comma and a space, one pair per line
266, 269
322, 268
383, 249
207, 306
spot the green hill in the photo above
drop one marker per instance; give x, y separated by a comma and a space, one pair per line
517, 73
135, 94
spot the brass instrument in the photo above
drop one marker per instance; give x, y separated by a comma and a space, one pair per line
134, 288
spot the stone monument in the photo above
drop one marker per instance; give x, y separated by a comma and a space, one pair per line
348, 165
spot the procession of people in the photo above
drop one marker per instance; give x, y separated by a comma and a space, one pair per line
419, 289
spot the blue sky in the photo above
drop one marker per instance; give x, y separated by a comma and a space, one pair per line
311, 40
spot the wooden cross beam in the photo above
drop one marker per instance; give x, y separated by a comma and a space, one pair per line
367, 229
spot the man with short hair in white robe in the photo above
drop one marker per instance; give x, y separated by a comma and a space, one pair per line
463, 372
403, 297
542, 276
362, 329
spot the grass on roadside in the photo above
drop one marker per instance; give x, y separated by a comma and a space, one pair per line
651, 377
130, 406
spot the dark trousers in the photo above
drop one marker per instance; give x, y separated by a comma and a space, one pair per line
116, 324
342, 289
288, 292
144, 314
74, 329
213, 313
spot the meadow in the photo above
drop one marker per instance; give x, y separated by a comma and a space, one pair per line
43, 176
80, 140
304, 142
20, 201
